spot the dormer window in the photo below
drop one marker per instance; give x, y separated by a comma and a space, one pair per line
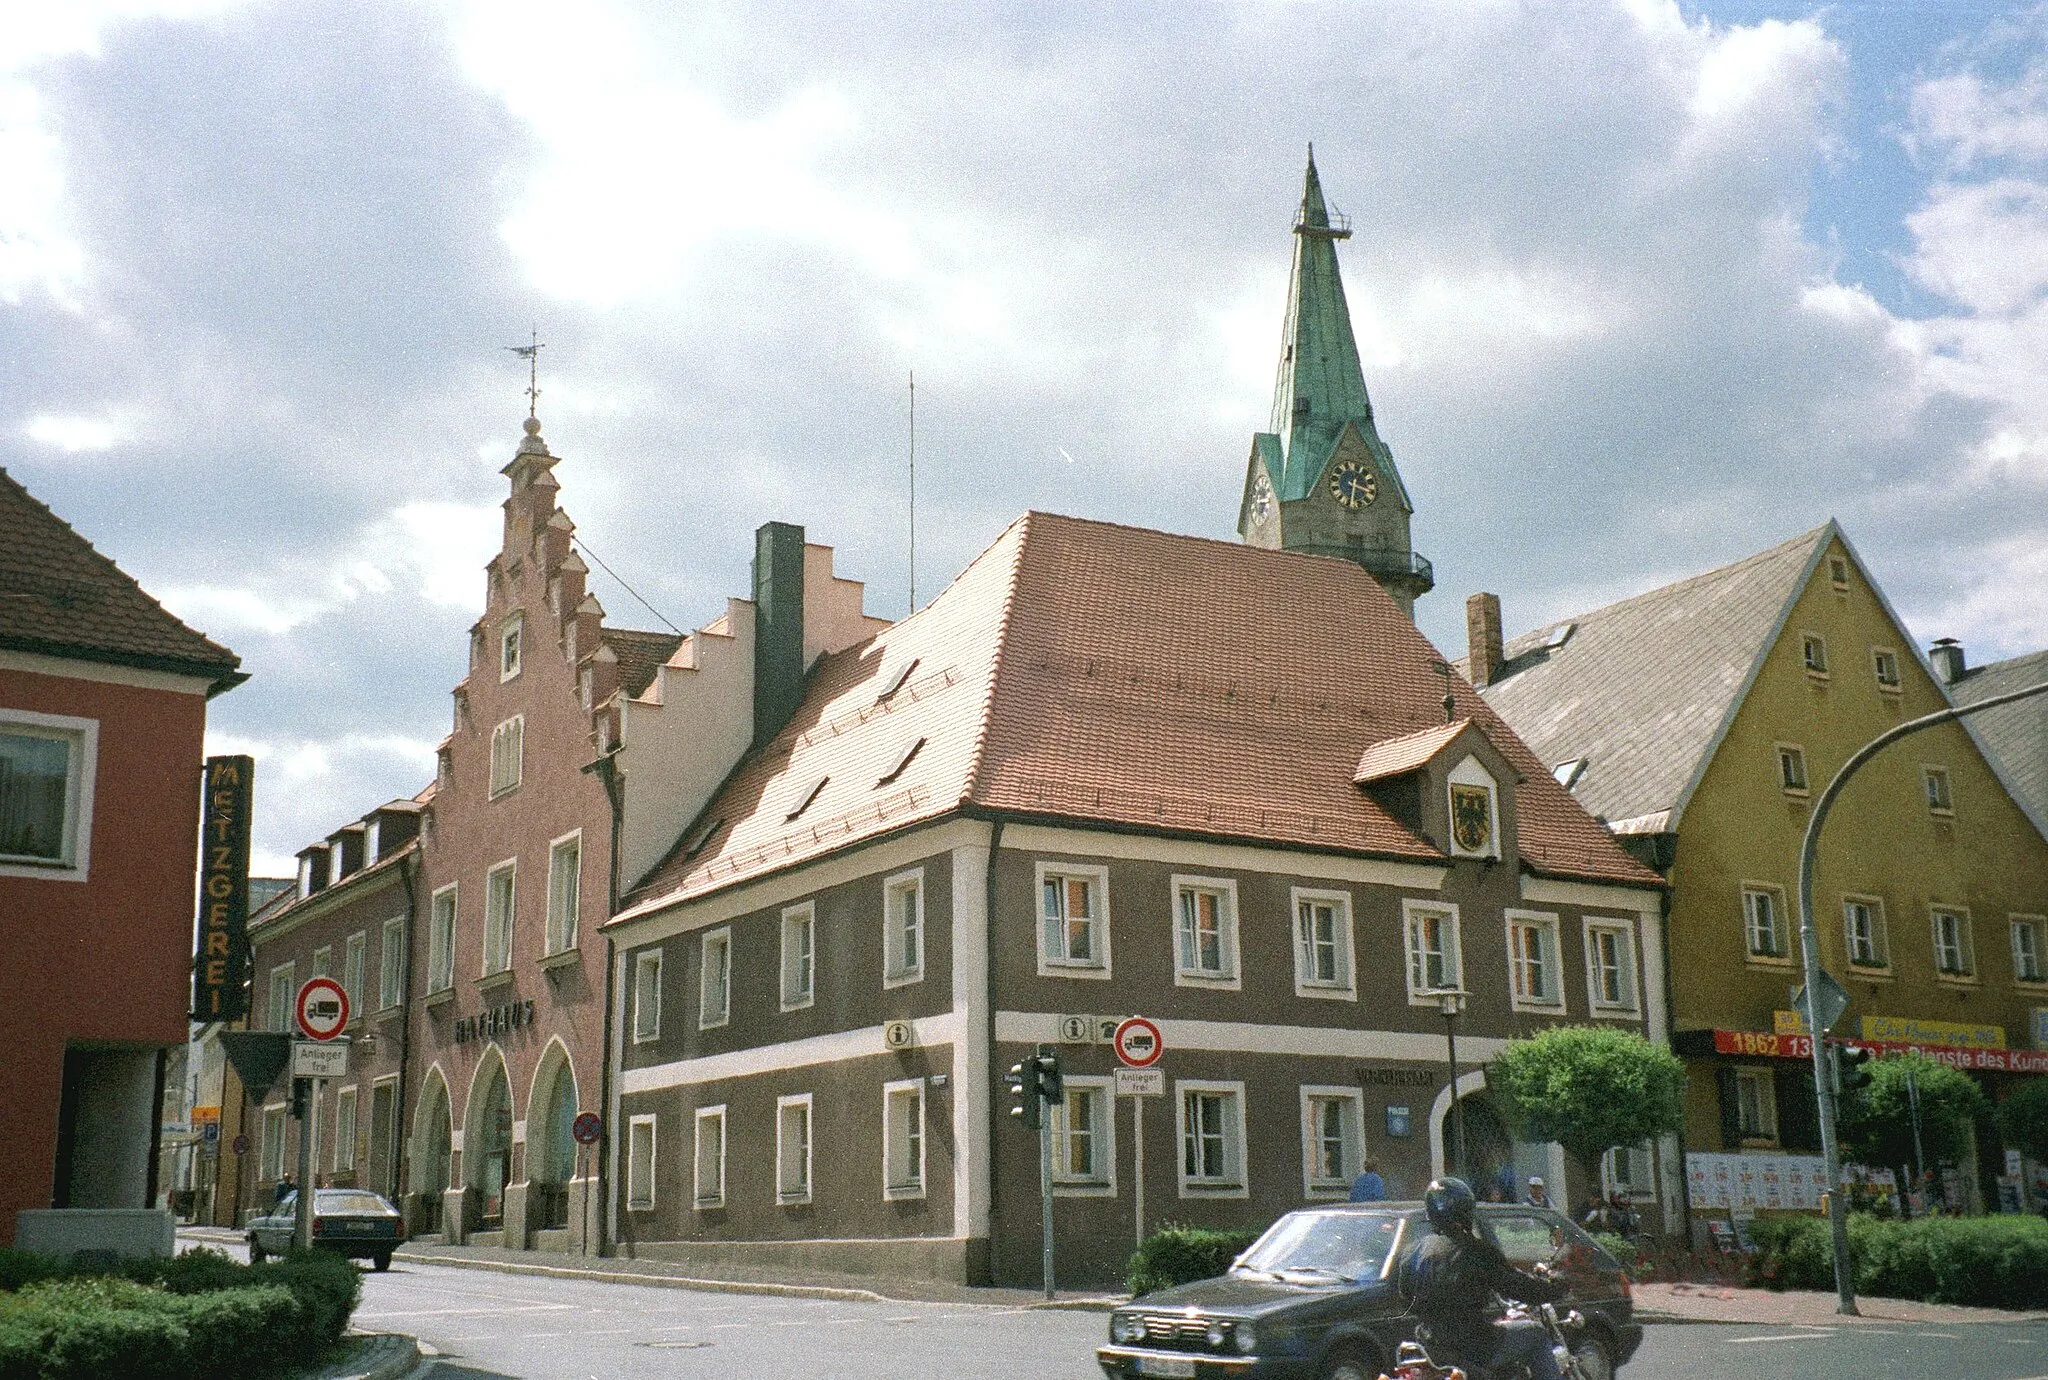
1474, 811
509, 648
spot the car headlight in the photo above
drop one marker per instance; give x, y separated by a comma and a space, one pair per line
1216, 1334
1126, 1328
1246, 1337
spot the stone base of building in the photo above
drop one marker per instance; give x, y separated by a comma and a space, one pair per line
109, 1233
457, 1211
954, 1260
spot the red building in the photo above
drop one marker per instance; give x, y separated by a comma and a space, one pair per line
103, 699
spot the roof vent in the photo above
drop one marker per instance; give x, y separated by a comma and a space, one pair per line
703, 838
1949, 663
898, 681
1568, 773
902, 763
1558, 636
808, 796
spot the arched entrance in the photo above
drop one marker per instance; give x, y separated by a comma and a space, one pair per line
1489, 1151
550, 1144
487, 1145
434, 1134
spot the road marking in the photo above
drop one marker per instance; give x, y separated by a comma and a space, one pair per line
468, 1312
1784, 1337
1944, 1336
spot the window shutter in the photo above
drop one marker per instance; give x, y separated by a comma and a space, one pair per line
1798, 1109
1731, 1109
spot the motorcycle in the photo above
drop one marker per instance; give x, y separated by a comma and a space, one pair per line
1412, 1361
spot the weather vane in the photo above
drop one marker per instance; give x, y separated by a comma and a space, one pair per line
531, 354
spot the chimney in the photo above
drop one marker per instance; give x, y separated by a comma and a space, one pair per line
1482, 638
778, 626
1947, 656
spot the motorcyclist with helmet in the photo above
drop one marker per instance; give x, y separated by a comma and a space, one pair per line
1452, 1279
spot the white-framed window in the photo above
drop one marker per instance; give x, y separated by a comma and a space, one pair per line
799, 956
48, 767
1473, 802
345, 1130
1084, 1138
273, 1141
500, 896
1610, 966
1332, 1140
903, 929
355, 968
1763, 920
1210, 1118
640, 1149
903, 1139
2026, 947
441, 939
1792, 769
284, 986
647, 996
565, 891
1073, 930
793, 1148
1813, 653
714, 980
1934, 785
1954, 953
1205, 932
1863, 932
508, 754
391, 963
323, 961
1433, 959
1756, 1104
1884, 664
1325, 964
510, 637
710, 1157
1535, 977
1630, 1170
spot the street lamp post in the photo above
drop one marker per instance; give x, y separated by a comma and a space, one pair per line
1451, 1001
1809, 947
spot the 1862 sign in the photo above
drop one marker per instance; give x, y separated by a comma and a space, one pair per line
217, 989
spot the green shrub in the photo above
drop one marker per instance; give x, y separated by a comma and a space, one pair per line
1177, 1254
1986, 1262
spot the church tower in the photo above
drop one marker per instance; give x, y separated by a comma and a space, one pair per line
1322, 481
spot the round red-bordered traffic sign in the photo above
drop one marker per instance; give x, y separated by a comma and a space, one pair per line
1139, 1043
322, 1008
585, 1128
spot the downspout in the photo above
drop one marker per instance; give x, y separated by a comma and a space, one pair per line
607, 769
996, 1113
401, 1171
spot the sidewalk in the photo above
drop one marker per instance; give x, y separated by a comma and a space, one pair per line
1703, 1303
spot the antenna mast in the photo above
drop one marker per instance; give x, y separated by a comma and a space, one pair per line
913, 491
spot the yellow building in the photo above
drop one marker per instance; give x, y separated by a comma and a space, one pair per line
1700, 721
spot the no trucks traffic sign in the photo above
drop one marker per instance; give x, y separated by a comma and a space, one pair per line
322, 1008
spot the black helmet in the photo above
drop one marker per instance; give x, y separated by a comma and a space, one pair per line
1451, 1206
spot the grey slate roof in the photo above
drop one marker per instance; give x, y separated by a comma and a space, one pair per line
2014, 736
1643, 689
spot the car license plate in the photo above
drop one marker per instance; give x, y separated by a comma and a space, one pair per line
1166, 1365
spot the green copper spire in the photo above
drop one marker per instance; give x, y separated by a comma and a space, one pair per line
1320, 379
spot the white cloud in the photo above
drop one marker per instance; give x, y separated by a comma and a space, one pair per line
74, 434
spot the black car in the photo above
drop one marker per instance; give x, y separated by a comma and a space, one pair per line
1314, 1298
348, 1221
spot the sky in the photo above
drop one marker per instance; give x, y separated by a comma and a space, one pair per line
1641, 287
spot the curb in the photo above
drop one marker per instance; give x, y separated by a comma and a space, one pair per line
708, 1286
390, 1356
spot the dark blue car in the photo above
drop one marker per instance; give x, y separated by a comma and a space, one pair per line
1314, 1298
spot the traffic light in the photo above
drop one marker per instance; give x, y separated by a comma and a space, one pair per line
1849, 1071
1051, 1086
1024, 1089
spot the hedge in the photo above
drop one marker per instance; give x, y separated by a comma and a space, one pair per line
191, 1316
1985, 1262
1177, 1254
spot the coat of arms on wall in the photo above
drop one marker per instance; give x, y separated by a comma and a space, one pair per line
1472, 819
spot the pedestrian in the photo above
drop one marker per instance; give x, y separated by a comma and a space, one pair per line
1622, 1215
1537, 1196
1369, 1187
285, 1188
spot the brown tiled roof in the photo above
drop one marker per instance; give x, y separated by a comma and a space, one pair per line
1396, 756
640, 655
60, 597
1086, 672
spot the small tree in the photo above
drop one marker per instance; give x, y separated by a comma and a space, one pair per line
1877, 1121
2023, 1119
1590, 1089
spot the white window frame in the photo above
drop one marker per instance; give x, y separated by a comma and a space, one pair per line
505, 925
511, 638
1780, 924
391, 958
646, 1022
799, 961
1229, 977
708, 1202
713, 939
1344, 936
639, 1174
280, 1014
274, 1124
1880, 936
1411, 908
441, 938
1236, 1180
1472, 774
1631, 1003
785, 1194
74, 860
891, 1092
1051, 965
896, 973
323, 961
1102, 1183
1813, 655
1966, 943
508, 765
565, 894
1313, 1185
2036, 926
1639, 1188
1937, 785
1878, 656
1765, 1081
1779, 751
345, 1111
355, 972
1552, 959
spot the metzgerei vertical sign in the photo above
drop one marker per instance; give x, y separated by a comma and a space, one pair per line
223, 945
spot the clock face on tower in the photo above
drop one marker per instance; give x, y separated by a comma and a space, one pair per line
1353, 485
1262, 496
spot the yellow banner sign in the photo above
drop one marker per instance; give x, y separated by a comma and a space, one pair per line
1912, 1031
1789, 1023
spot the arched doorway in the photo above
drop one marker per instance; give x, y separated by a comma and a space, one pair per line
487, 1145
1489, 1151
434, 1133
550, 1143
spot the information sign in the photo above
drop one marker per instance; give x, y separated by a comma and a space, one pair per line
1140, 1082
319, 1059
